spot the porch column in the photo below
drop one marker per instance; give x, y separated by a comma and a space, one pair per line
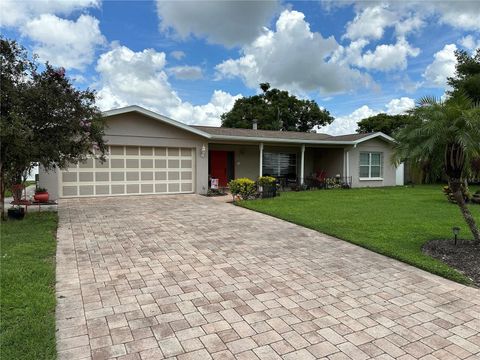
260, 171
302, 165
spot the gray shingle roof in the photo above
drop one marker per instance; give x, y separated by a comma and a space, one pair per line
274, 134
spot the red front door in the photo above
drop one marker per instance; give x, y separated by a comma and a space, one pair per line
218, 166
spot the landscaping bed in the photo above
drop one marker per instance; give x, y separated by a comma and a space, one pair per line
465, 256
395, 221
27, 276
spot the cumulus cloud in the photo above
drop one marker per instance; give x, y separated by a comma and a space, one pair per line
348, 124
470, 43
373, 18
17, 13
399, 106
387, 57
295, 58
222, 22
443, 66
370, 23
140, 78
62, 42
186, 72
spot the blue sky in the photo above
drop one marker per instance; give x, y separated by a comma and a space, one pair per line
190, 60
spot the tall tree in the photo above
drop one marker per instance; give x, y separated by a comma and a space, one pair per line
276, 109
44, 119
447, 135
387, 124
467, 75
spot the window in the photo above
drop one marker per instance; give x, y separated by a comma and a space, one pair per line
371, 165
279, 164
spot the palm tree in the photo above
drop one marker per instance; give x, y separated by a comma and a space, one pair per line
447, 135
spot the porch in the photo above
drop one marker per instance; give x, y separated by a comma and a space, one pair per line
292, 165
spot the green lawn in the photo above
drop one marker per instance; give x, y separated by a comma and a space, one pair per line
394, 221
27, 299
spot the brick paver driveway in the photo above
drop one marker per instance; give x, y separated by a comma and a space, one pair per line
188, 277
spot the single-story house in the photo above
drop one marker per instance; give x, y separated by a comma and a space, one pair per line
152, 154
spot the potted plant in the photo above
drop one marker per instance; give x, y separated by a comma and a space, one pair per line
41, 195
16, 213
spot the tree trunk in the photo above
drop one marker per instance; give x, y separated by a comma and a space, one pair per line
456, 187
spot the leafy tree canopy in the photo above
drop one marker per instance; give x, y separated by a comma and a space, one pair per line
467, 75
276, 109
44, 118
388, 124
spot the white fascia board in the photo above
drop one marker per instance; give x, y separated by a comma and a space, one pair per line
149, 113
375, 135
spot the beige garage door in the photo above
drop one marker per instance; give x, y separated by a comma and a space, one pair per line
132, 170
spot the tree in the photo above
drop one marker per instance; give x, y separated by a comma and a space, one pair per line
387, 124
447, 136
276, 110
44, 119
467, 75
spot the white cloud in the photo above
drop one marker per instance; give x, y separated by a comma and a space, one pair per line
293, 58
387, 57
62, 42
459, 14
186, 72
348, 124
373, 18
17, 13
208, 114
443, 66
399, 106
370, 23
140, 78
222, 22
178, 54
470, 43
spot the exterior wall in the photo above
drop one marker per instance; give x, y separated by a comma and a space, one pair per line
139, 130
49, 181
329, 160
375, 145
246, 158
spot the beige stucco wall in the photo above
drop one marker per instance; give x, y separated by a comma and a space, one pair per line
140, 130
375, 145
329, 160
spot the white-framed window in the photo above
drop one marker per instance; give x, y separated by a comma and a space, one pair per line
279, 164
371, 166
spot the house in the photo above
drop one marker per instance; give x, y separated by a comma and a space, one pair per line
152, 154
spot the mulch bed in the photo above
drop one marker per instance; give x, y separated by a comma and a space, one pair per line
465, 256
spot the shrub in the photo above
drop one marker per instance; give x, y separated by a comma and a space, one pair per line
243, 187
268, 181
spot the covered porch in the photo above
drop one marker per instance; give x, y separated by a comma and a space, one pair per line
292, 165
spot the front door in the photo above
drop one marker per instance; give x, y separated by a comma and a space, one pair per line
221, 166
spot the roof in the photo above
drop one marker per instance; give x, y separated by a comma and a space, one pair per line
270, 136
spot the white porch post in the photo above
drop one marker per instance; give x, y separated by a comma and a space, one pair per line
260, 171
302, 165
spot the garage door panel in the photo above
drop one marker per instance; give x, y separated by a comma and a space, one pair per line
131, 170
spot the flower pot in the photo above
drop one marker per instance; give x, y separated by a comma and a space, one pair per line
41, 196
16, 213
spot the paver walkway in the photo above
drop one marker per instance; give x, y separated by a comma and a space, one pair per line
188, 277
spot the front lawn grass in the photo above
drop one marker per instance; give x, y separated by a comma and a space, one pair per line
393, 221
27, 299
